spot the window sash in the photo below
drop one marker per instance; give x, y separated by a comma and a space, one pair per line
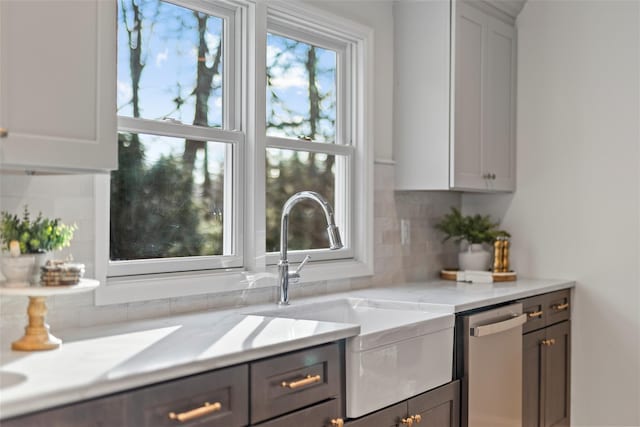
233, 17
342, 147
233, 182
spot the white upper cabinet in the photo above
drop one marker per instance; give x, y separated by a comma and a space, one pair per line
58, 85
455, 110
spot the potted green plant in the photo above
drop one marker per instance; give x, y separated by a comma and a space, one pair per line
476, 230
30, 241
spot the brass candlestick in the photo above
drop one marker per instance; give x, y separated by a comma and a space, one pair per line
497, 255
505, 254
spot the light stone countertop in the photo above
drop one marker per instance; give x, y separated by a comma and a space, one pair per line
100, 360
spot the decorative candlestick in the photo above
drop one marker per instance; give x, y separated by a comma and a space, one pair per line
497, 255
505, 254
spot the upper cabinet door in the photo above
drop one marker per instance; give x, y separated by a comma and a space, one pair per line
58, 85
483, 140
469, 69
498, 142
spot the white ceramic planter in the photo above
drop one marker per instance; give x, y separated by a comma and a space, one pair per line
40, 260
18, 270
474, 258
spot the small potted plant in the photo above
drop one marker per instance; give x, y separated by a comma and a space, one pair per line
29, 243
475, 230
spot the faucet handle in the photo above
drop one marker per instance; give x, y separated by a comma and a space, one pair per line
296, 274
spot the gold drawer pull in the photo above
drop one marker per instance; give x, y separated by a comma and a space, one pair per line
207, 408
4, 133
417, 418
337, 422
535, 314
407, 421
548, 342
309, 379
560, 307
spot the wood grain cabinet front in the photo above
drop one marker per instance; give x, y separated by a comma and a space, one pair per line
286, 383
215, 399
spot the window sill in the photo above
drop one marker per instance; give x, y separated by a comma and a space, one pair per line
160, 286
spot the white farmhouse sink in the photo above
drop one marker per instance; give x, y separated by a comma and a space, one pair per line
403, 349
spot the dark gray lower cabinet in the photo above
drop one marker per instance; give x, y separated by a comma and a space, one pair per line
439, 407
319, 415
215, 399
104, 412
547, 362
301, 388
556, 376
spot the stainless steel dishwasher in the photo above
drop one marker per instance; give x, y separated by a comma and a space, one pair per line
492, 367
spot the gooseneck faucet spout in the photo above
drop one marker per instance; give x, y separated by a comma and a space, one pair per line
335, 242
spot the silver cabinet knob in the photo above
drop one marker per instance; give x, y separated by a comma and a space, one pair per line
493, 176
4, 133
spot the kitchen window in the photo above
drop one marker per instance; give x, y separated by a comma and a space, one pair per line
307, 137
174, 196
209, 149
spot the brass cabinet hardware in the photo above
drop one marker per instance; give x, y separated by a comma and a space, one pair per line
337, 422
560, 307
4, 133
417, 418
309, 379
407, 421
207, 408
535, 314
548, 342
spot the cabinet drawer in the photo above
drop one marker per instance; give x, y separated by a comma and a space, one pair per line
319, 415
215, 399
535, 308
558, 307
285, 383
547, 309
106, 411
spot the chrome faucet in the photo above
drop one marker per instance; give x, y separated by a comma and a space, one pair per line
335, 242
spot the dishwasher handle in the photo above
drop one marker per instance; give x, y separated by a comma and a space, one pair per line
496, 328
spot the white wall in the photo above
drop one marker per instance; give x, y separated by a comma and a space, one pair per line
378, 15
576, 211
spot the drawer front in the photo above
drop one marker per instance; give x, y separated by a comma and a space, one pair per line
535, 308
103, 412
558, 307
388, 417
285, 383
320, 415
215, 399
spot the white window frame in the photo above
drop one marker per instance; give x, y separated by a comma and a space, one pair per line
248, 138
233, 139
283, 24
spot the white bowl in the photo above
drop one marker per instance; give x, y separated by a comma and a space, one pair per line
18, 269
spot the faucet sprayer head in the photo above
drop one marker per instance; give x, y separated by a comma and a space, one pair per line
335, 242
